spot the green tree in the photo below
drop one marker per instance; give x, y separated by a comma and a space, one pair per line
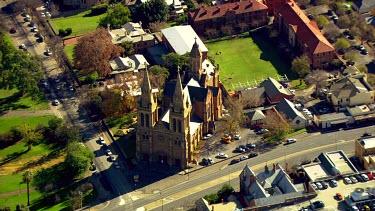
342, 44
343, 22
78, 159
278, 125
303, 3
351, 55
158, 76
128, 47
362, 69
116, 17
173, 60
182, 19
65, 135
301, 66
55, 123
152, 11
27, 177
322, 21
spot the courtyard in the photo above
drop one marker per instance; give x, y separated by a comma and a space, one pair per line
247, 61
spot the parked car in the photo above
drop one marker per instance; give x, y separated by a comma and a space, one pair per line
48, 52
222, 155
339, 196
347, 180
244, 157
310, 16
361, 47
251, 155
355, 208
314, 186
117, 165
366, 134
364, 52
71, 88
239, 150
365, 177
108, 151
55, 103
42, 15
358, 177
250, 145
237, 136
317, 204
13, 30
291, 141
319, 185
34, 29
101, 140
330, 12
23, 47
261, 131
112, 158
206, 137
335, 18
325, 185
353, 179
210, 161
245, 147
234, 161
333, 183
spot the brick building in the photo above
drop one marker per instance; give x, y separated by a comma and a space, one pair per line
303, 34
189, 108
231, 14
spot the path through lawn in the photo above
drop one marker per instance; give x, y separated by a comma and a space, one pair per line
247, 59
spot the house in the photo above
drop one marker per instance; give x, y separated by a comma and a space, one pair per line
180, 40
82, 3
365, 151
275, 91
230, 14
364, 6
134, 33
350, 91
296, 118
256, 117
169, 133
332, 119
270, 189
303, 34
133, 63
272, 4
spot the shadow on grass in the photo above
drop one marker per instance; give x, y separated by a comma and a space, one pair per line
9, 103
40, 161
269, 53
11, 157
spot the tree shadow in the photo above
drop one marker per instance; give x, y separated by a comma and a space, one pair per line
371, 67
9, 103
11, 157
40, 161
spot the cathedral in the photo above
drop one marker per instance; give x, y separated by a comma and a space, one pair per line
169, 133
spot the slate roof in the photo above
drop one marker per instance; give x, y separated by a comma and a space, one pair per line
273, 88
256, 115
195, 93
206, 13
131, 63
307, 30
182, 38
348, 87
365, 5
288, 108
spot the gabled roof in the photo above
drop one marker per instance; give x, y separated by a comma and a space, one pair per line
288, 108
307, 30
182, 39
131, 63
213, 12
196, 93
349, 87
256, 115
273, 88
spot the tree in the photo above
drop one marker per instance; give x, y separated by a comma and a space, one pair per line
235, 115
321, 2
250, 99
331, 31
226, 30
351, 55
355, 31
94, 51
78, 159
173, 60
242, 26
55, 123
157, 26
211, 33
65, 135
152, 11
362, 69
128, 47
343, 22
116, 17
27, 177
342, 44
303, 3
318, 78
158, 76
182, 19
322, 21
278, 126
340, 11
301, 66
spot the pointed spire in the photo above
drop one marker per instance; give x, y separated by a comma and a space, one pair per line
146, 95
178, 96
195, 51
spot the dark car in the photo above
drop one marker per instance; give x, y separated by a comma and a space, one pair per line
310, 16
358, 177
317, 204
364, 52
234, 161
250, 145
251, 155
244, 147
366, 134
13, 30
205, 161
330, 12
351, 37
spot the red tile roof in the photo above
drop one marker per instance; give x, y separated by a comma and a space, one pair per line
307, 31
213, 12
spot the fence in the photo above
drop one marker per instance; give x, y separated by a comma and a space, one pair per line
255, 83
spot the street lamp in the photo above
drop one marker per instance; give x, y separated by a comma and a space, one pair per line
80, 194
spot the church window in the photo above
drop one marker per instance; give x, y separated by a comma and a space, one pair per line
145, 136
174, 125
179, 143
179, 126
175, 142
147, 120
142, 119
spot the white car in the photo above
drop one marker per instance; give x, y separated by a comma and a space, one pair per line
244, 157
237, 136
101, 140
117, 165
48, 14
353, 179
222, 155
55, 102
42, 15
23, 46
314, 186
112, 158
364, 177
355, 208
108, 151
48, 52
347, 180
34, 29
319, 185
206, 137
71, 88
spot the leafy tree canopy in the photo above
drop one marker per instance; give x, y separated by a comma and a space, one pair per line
78, 158
116, 17
301, 66
152, 11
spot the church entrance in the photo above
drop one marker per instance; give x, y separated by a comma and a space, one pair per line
163, 159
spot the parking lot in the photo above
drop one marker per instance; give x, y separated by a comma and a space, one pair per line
328, 196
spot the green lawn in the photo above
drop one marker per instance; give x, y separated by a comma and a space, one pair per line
13, 100
7, 123
80, 23
246, 60
11, 182
69, 50
13, 200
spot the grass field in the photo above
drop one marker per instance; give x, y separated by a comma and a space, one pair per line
7, 123
69, 50
80, 23
246, 59
13, 200
13, 100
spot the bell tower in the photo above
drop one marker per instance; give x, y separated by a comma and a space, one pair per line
195, 62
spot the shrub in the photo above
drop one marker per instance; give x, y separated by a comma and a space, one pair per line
68, 31
212, 198
99, 9
61, 32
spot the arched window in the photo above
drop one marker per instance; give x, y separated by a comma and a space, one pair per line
179, 126
174, 125
142, 119
147, 120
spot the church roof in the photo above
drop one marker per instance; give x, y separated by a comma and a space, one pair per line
196, 93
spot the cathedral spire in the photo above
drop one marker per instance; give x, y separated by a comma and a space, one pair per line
195, 51
178, 96
146, 95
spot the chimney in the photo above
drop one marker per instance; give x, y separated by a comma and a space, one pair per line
252, 179
274, 167
222, 201
126, 33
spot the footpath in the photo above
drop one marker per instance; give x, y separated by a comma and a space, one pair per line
26, 113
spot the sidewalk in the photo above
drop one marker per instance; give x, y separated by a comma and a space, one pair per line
26, 113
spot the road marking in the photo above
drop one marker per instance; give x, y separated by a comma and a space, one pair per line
193, 190
122, 201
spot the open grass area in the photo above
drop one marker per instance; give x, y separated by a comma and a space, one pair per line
13, 200
69, 50
11, 182
6, 123
13, 100
247, 60
80, 23
296, 84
